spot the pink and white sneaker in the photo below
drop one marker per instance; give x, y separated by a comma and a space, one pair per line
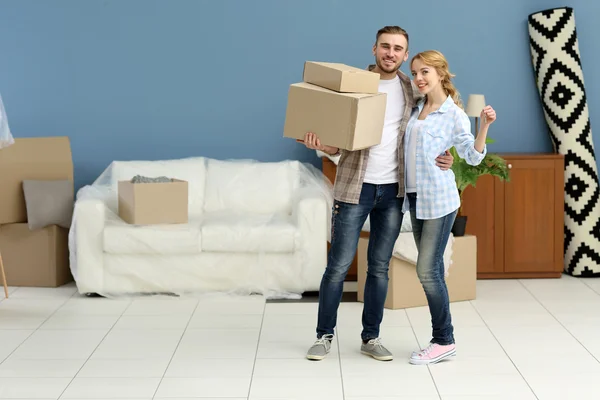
432, 354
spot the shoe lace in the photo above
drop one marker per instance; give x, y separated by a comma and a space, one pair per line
427, 349
376, 342
322, 340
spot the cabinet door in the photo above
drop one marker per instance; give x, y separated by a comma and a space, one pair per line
483, 208
532, 233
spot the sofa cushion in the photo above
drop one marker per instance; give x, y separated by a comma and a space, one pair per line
192, 170
227, 232
122, 238
250, 187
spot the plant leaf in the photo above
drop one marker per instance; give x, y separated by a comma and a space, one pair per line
467, 175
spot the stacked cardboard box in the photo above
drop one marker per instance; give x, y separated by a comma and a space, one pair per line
337, 102
36, 257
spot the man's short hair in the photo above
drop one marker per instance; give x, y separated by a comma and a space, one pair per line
395, 30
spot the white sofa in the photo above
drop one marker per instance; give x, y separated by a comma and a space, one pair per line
253, 228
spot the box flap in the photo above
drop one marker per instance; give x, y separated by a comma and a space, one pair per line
305, 85
38, 150
342, 67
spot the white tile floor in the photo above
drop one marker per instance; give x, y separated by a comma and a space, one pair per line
522, 339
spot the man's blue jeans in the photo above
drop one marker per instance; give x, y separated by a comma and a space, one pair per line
431, 237
385, 210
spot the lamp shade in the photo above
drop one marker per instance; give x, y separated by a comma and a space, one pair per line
475, 104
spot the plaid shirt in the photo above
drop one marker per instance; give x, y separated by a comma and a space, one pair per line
446, 127
352, 165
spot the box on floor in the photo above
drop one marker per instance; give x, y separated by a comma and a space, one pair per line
330, 104
35, 258
405, 289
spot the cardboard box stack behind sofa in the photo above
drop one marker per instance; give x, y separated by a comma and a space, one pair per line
36, 206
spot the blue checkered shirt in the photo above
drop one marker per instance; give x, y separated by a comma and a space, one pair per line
446, 127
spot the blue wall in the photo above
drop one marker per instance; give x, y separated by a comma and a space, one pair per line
149, 79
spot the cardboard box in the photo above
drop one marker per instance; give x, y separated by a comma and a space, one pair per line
341, 77
350, 121
44, 158
35, 258
405, 289
154, 203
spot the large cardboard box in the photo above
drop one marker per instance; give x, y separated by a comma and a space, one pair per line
154, 203
341, 77
350, 121
35, 258
43, 158
404, 288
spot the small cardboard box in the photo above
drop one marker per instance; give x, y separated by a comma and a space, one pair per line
341, 77
405, 289
350, 121
37, 258
42, 158
153, 203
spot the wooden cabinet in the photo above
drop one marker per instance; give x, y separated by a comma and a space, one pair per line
519, 224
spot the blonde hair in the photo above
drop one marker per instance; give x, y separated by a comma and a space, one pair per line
435, 59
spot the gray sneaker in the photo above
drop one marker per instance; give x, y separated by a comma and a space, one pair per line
375, 349
320, 348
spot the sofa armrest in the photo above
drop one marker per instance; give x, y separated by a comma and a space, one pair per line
310, 215
89, 221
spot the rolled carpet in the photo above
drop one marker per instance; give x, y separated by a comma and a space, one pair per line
559, 78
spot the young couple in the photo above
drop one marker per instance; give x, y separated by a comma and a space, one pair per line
408, 171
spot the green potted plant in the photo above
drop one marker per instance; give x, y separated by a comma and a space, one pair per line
467, 175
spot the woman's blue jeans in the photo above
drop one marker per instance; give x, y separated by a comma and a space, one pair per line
431, 237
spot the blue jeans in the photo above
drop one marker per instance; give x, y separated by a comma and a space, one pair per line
384, 206
431, 237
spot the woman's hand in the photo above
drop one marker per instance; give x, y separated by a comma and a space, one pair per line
488, 115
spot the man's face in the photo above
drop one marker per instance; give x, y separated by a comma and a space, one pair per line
390, 52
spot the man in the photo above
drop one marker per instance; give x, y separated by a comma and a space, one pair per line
369, 182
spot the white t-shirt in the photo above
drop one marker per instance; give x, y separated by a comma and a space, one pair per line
382, 166
411, 157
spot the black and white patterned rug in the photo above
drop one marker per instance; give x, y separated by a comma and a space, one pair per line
559, 77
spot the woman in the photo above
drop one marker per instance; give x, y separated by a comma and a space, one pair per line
436, 124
